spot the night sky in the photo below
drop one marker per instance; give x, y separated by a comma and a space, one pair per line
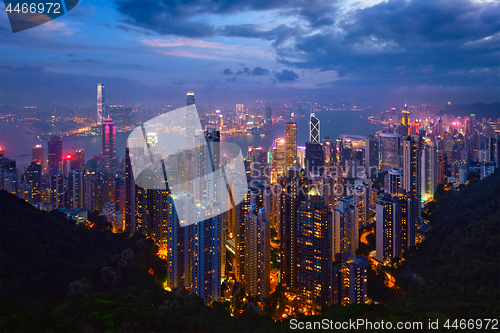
148, 51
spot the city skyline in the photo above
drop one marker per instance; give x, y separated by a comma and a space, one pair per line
255, 164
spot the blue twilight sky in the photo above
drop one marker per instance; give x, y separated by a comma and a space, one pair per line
148, 51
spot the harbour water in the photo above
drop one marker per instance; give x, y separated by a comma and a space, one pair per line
18, 140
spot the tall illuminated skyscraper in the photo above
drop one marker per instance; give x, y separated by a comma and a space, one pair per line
294, 187
54, 154
412, 175
269, 116
393, 229
101, 104
429, 169
393, 181
129, 194
314, 158
371, 157
290, 144
108, 140
389, 151
38, 155
349, 279
57, 189
34, 181
190, 98
239, 110
75, 190
313, 253
78, 161
405, 116
176, 241
257, 252
278, 156
345, 226
207, 251
314, 133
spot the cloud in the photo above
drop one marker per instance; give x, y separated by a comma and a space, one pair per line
200, 49
88, 60
257, 71
260, 71
227, 71
179, 82
422, 41
127, 29
245, 71
286, 76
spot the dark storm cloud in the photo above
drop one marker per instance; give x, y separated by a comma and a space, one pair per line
185, 18
442, 42
286, 75
279, 35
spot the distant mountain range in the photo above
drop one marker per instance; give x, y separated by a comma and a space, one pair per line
479, 109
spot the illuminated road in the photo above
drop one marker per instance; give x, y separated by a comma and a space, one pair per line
363, 236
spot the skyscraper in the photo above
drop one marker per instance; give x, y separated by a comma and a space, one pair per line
239, 110
75, 191
349, 279
442, 165
57, 189
191, 116
346, 226
371, 157
314, 159
405, 116
129, 194
207, 252
278, 156
314, 127
190, 98
290, 144
34, 182
176, 241
257, 252
394, 230
412, 175
313, 253
38, 153
78, 161
108, 139
101, 104
54, 154
294, 187
389, 151
269, 116
393, 181
429, 169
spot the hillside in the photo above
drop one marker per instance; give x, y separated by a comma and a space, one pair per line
479, 109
